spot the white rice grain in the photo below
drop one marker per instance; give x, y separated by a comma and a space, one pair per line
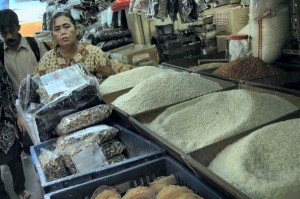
265, 164
164, 89
128, 79
213, 117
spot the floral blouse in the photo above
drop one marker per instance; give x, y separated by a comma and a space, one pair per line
8, 123
93, 58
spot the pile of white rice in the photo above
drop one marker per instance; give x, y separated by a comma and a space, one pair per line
213, 117
128, 79
164, 89
264, 164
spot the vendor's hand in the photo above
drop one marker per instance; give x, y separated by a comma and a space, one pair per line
21, 125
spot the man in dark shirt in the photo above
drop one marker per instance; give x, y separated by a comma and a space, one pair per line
10, 149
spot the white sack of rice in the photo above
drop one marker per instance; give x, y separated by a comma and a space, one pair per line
259, 8
269, 37
164, 89
216, 116
128, 79
265, 164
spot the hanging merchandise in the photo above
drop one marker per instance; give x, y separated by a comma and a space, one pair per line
115, 43
140, 6
153, 9
109, 34
187, 11
201, 5
162, 9
74, 2
120, 5
76, 14
131, 5
173, 8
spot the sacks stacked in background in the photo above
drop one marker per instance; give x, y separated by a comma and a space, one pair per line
269, 28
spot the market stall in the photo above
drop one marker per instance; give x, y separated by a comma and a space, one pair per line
198, 106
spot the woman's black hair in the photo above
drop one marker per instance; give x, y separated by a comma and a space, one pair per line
59, 14
8, 18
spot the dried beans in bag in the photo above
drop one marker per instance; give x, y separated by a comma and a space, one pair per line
53, 165
98, 133
83, 119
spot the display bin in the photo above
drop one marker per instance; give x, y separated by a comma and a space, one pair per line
138, 121
282, 79
188, 62
110, 97
225, 85
138, 150
141, 175
201, 158
273, 87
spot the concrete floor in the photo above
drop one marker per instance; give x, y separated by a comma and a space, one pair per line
32, 183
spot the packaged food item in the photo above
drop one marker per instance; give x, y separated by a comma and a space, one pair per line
53, 165
61, 93
99, 134
238, 46
83, 119
87, 154
61, 82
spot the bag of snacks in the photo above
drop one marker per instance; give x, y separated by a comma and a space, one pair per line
83, 119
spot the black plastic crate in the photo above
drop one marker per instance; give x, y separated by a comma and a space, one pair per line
141, 175
138, 150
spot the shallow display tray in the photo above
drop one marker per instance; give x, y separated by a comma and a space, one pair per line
199, 159
141, 175
138, 150
139, 120
110, 97
188, 62
226, 85
280, 79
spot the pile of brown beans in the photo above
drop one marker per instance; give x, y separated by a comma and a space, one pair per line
248, 68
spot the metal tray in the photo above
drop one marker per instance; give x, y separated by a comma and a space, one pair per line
280, 79
137, 121
199, 159
226, 85
110, 97
141, 175
190, 160
138, 150
187, 62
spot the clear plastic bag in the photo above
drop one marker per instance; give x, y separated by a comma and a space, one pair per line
81, 156
47, 115
99, 133
27, 92
60, 82
53, 165
83, 119
239, 46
